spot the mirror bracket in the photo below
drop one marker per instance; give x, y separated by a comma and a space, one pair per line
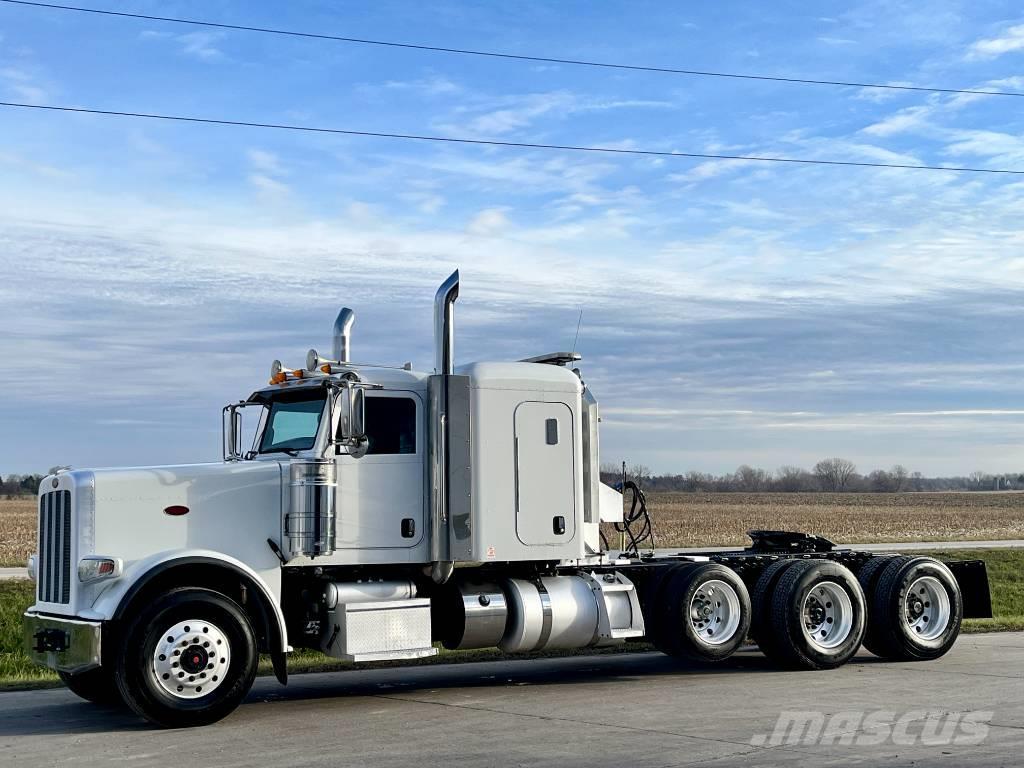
348, 425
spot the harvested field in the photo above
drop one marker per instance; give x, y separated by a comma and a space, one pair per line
709, 519
17, 530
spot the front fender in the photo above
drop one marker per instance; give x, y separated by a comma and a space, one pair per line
112, 601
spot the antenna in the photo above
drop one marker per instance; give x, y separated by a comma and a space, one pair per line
577, 338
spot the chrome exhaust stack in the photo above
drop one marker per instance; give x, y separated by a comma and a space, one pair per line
342, 349
444, 325
442, 565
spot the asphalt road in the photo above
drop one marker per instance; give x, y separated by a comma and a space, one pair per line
636, 709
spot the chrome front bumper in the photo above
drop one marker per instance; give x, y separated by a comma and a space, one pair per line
66, 645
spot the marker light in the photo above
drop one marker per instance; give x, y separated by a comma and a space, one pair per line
97, 568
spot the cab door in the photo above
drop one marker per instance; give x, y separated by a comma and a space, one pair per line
380, 501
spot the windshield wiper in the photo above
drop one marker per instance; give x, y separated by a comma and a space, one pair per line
289, 451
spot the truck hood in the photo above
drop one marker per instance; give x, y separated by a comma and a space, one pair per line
142, 510
147, 515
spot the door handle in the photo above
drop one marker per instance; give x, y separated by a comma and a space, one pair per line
408, 528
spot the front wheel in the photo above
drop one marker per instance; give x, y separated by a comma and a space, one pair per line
189, 659
96, 685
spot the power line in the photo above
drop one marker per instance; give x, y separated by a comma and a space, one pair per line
495, 143
511, 56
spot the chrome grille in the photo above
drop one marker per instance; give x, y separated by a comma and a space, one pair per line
54, 567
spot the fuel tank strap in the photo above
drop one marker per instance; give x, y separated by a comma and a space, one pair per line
545, 605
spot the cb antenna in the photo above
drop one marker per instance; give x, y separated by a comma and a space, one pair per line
577, 338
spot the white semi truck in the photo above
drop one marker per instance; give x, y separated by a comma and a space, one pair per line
380, 512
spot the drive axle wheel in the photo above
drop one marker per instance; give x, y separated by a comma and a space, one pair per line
705, 613
761, 599
916, 610
817, 615
188, 660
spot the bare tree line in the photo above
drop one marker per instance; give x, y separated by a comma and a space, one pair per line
833, 475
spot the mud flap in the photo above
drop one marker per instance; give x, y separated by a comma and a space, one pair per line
972, 576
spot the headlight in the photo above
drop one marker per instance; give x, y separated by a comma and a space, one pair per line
96, 568
31, 567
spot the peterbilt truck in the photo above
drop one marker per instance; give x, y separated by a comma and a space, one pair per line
379, 513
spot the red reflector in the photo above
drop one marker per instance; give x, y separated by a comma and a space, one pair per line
107, 566
176, 510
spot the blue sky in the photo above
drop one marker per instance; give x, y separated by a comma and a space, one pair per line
733, 312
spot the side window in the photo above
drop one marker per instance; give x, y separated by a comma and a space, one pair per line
391, 425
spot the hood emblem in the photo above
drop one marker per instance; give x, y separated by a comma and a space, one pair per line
176, 510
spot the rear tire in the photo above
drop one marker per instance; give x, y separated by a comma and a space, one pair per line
868, 573
868, 577
652, 597
96, 685
818, 615
761, 599
704, 613
916, 610
188, 659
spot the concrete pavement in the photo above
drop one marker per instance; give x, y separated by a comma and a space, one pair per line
636, 710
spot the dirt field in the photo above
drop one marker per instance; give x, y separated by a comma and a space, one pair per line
702, 519
17, 530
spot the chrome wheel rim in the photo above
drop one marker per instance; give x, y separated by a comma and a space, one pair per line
827, 616
715, 612
926, 608
191, 659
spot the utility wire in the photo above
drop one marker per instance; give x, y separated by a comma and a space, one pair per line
494, 143
512, 56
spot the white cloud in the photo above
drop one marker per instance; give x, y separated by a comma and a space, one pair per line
435, 85
22, 86
268, 185
1003, 148
265, 162
708, 169
200, 45
1010, 41
911, 118
496, 116
29, 93
880, 95
425, 202
489, 221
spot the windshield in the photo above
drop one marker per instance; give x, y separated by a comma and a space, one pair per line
293, 421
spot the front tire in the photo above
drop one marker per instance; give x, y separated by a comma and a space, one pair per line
96, 686
188, 660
